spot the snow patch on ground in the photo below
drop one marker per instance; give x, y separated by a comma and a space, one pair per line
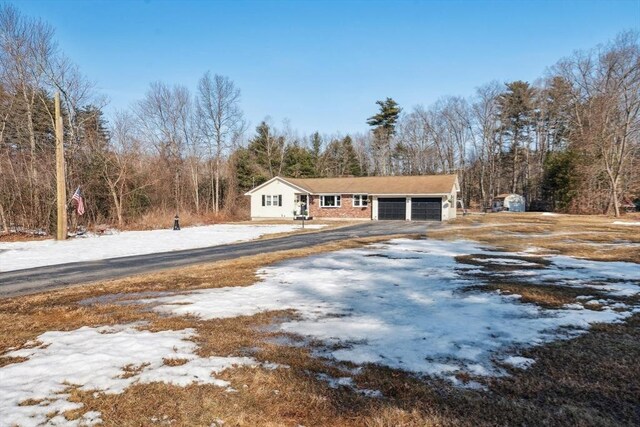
626, 222
506, 261
519, 362
21, 255
549, 214
406, 305
93, 359
348, 383
616, 278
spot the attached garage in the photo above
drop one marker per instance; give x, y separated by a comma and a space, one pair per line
392, 208
426, 209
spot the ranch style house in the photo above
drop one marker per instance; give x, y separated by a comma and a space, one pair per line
410, 198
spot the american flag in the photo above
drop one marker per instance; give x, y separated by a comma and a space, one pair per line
79, 202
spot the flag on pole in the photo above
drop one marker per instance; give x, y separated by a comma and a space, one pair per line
77, 196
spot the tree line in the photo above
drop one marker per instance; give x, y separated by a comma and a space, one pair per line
568, 142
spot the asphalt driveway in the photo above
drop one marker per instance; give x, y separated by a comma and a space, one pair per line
34, 280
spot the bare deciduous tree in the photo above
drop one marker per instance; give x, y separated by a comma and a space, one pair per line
160, 116
221, 122
606, 90
486, 143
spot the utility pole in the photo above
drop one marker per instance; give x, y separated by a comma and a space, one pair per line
61, 233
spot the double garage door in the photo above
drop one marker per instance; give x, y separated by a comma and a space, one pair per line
422, 209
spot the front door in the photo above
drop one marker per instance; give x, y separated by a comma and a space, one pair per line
302, 205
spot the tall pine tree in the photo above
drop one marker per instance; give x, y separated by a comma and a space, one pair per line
384, 127
516, 109
267, 150
298, 162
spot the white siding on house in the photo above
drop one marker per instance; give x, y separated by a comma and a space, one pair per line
274, 188
453, 206
445, 208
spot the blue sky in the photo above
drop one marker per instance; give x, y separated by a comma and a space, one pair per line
323, 64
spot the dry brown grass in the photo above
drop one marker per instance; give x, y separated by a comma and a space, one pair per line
158, 219
174, 362
590, 380
328, 225
21, 237
591, 237
543, 295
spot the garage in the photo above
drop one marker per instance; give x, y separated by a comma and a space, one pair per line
392, 208
426, 209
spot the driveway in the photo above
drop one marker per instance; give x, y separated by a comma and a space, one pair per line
34, 280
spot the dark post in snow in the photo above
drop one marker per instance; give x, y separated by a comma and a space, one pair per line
176, 223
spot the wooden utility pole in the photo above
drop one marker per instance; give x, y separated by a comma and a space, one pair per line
61, 233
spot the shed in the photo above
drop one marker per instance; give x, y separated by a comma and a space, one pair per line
508, 202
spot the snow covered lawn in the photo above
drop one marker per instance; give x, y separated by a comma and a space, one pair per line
409, 305
21, 255
413, 305
101, 360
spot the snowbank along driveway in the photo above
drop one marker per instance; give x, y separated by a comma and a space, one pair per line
22, 255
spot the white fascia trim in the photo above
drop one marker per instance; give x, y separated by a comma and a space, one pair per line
456, 185
248, 193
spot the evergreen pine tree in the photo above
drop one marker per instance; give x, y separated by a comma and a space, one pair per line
384, 126
246, 174
266, 150
316, 154
516, 109
298, 162
351, 165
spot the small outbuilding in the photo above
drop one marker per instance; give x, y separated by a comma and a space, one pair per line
628, 206
508, 202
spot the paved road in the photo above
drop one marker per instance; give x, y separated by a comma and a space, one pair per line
45, 278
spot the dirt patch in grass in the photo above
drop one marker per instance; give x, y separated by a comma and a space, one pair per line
503, 263
9, 360
129, 371
546, 296
174, 362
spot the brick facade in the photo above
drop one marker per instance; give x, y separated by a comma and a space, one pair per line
346, 210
